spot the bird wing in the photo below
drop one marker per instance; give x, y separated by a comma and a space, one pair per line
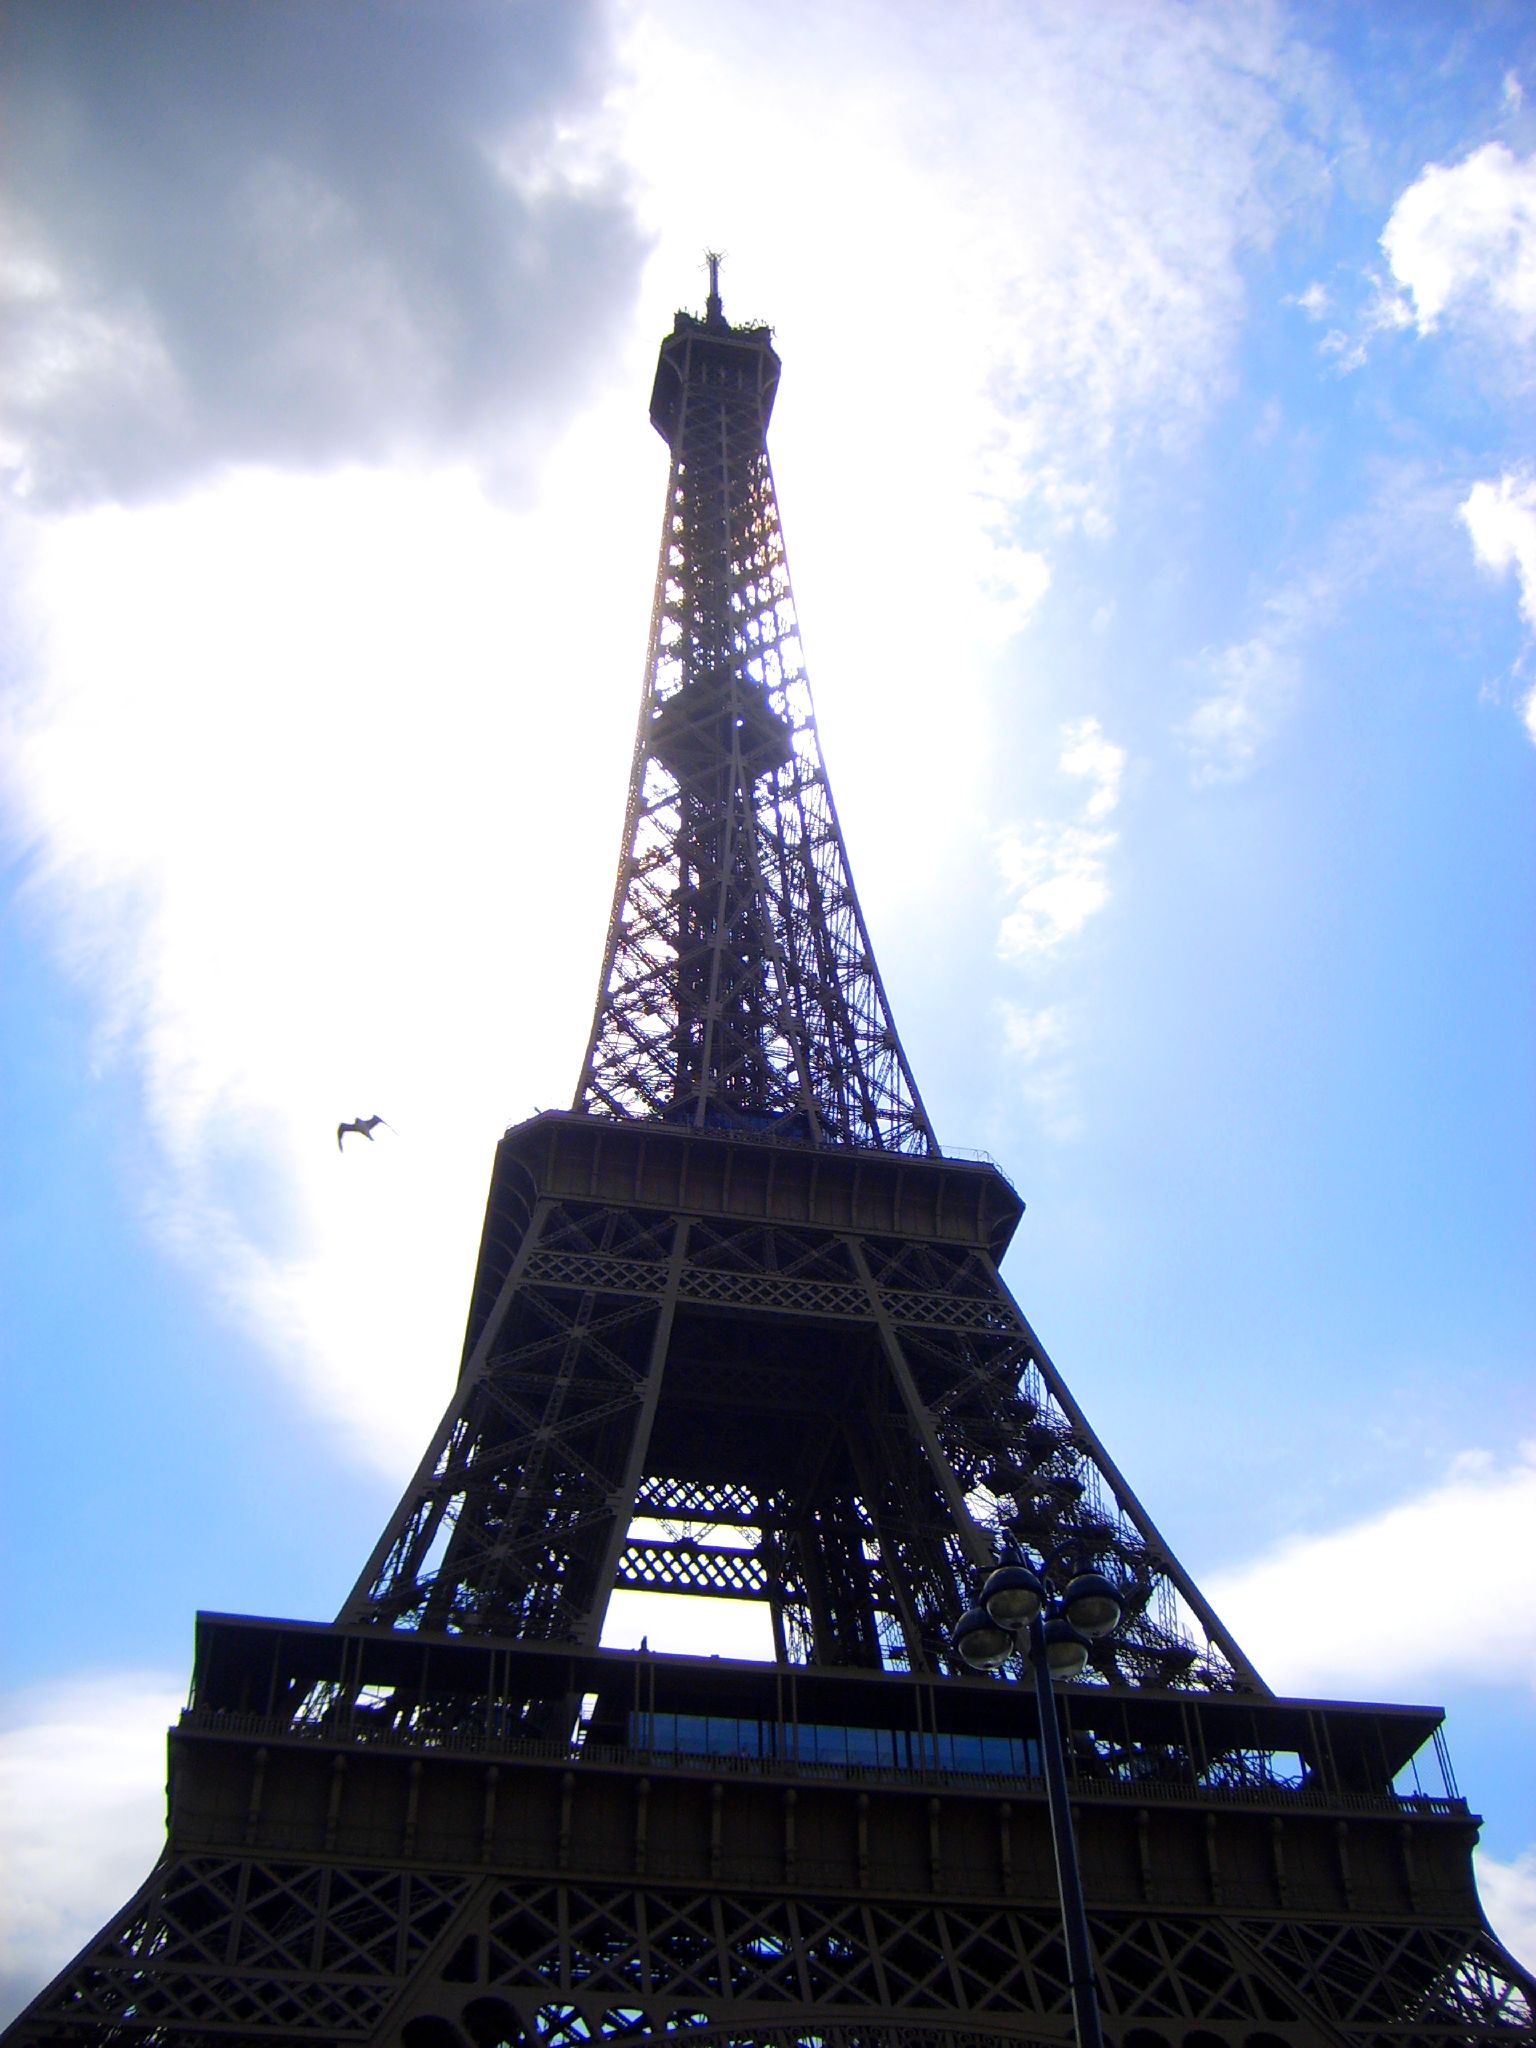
340, 1129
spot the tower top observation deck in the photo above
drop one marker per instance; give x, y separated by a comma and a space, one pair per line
711, 352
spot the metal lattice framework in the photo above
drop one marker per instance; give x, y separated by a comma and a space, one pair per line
739, 987
737, 1330
763, 1914
828, 1420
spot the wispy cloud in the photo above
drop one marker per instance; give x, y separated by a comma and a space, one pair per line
1058, 876
1035, 1034
1252, 683
1248, 688
1453, 1590
1051, 343
1385, 311
1501, 520
1057, 872
1039, 1046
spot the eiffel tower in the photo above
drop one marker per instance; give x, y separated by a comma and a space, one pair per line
737, 1331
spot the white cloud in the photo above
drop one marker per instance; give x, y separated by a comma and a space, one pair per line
1057, 872
82, 1815
1059, 878
1502, 525
1386, 311
1508, 1893
1248, 688
1032, 1034
1461, 242
1315, 300
1460, 245
1098, 761
280, 839
968, 370
320, 785
1452, 1595
1254, 681
1064, 330
1039, 1048
1501, 520
1349, 351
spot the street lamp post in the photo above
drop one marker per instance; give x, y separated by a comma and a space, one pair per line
1022, 1615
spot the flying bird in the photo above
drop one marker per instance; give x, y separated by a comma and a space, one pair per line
365, 1126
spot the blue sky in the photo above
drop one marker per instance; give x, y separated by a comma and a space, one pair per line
1155, 461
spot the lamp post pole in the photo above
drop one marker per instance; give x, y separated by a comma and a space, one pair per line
1082, 1978
1021, 1615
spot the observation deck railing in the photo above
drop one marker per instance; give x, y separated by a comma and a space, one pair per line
349, 1730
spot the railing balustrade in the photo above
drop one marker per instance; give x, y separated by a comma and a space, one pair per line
362, 1729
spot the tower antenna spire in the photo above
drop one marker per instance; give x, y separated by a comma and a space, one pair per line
714, 312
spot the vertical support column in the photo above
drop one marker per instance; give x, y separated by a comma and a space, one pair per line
1346, 1868
488, 1813
642, 1824
1212, 1861
1081, 1973
258, 1789
623, 1501
870, 1482
333, 1804
567, 1796
412, 1808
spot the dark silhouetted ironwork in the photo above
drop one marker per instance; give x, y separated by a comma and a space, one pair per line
737, 1331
